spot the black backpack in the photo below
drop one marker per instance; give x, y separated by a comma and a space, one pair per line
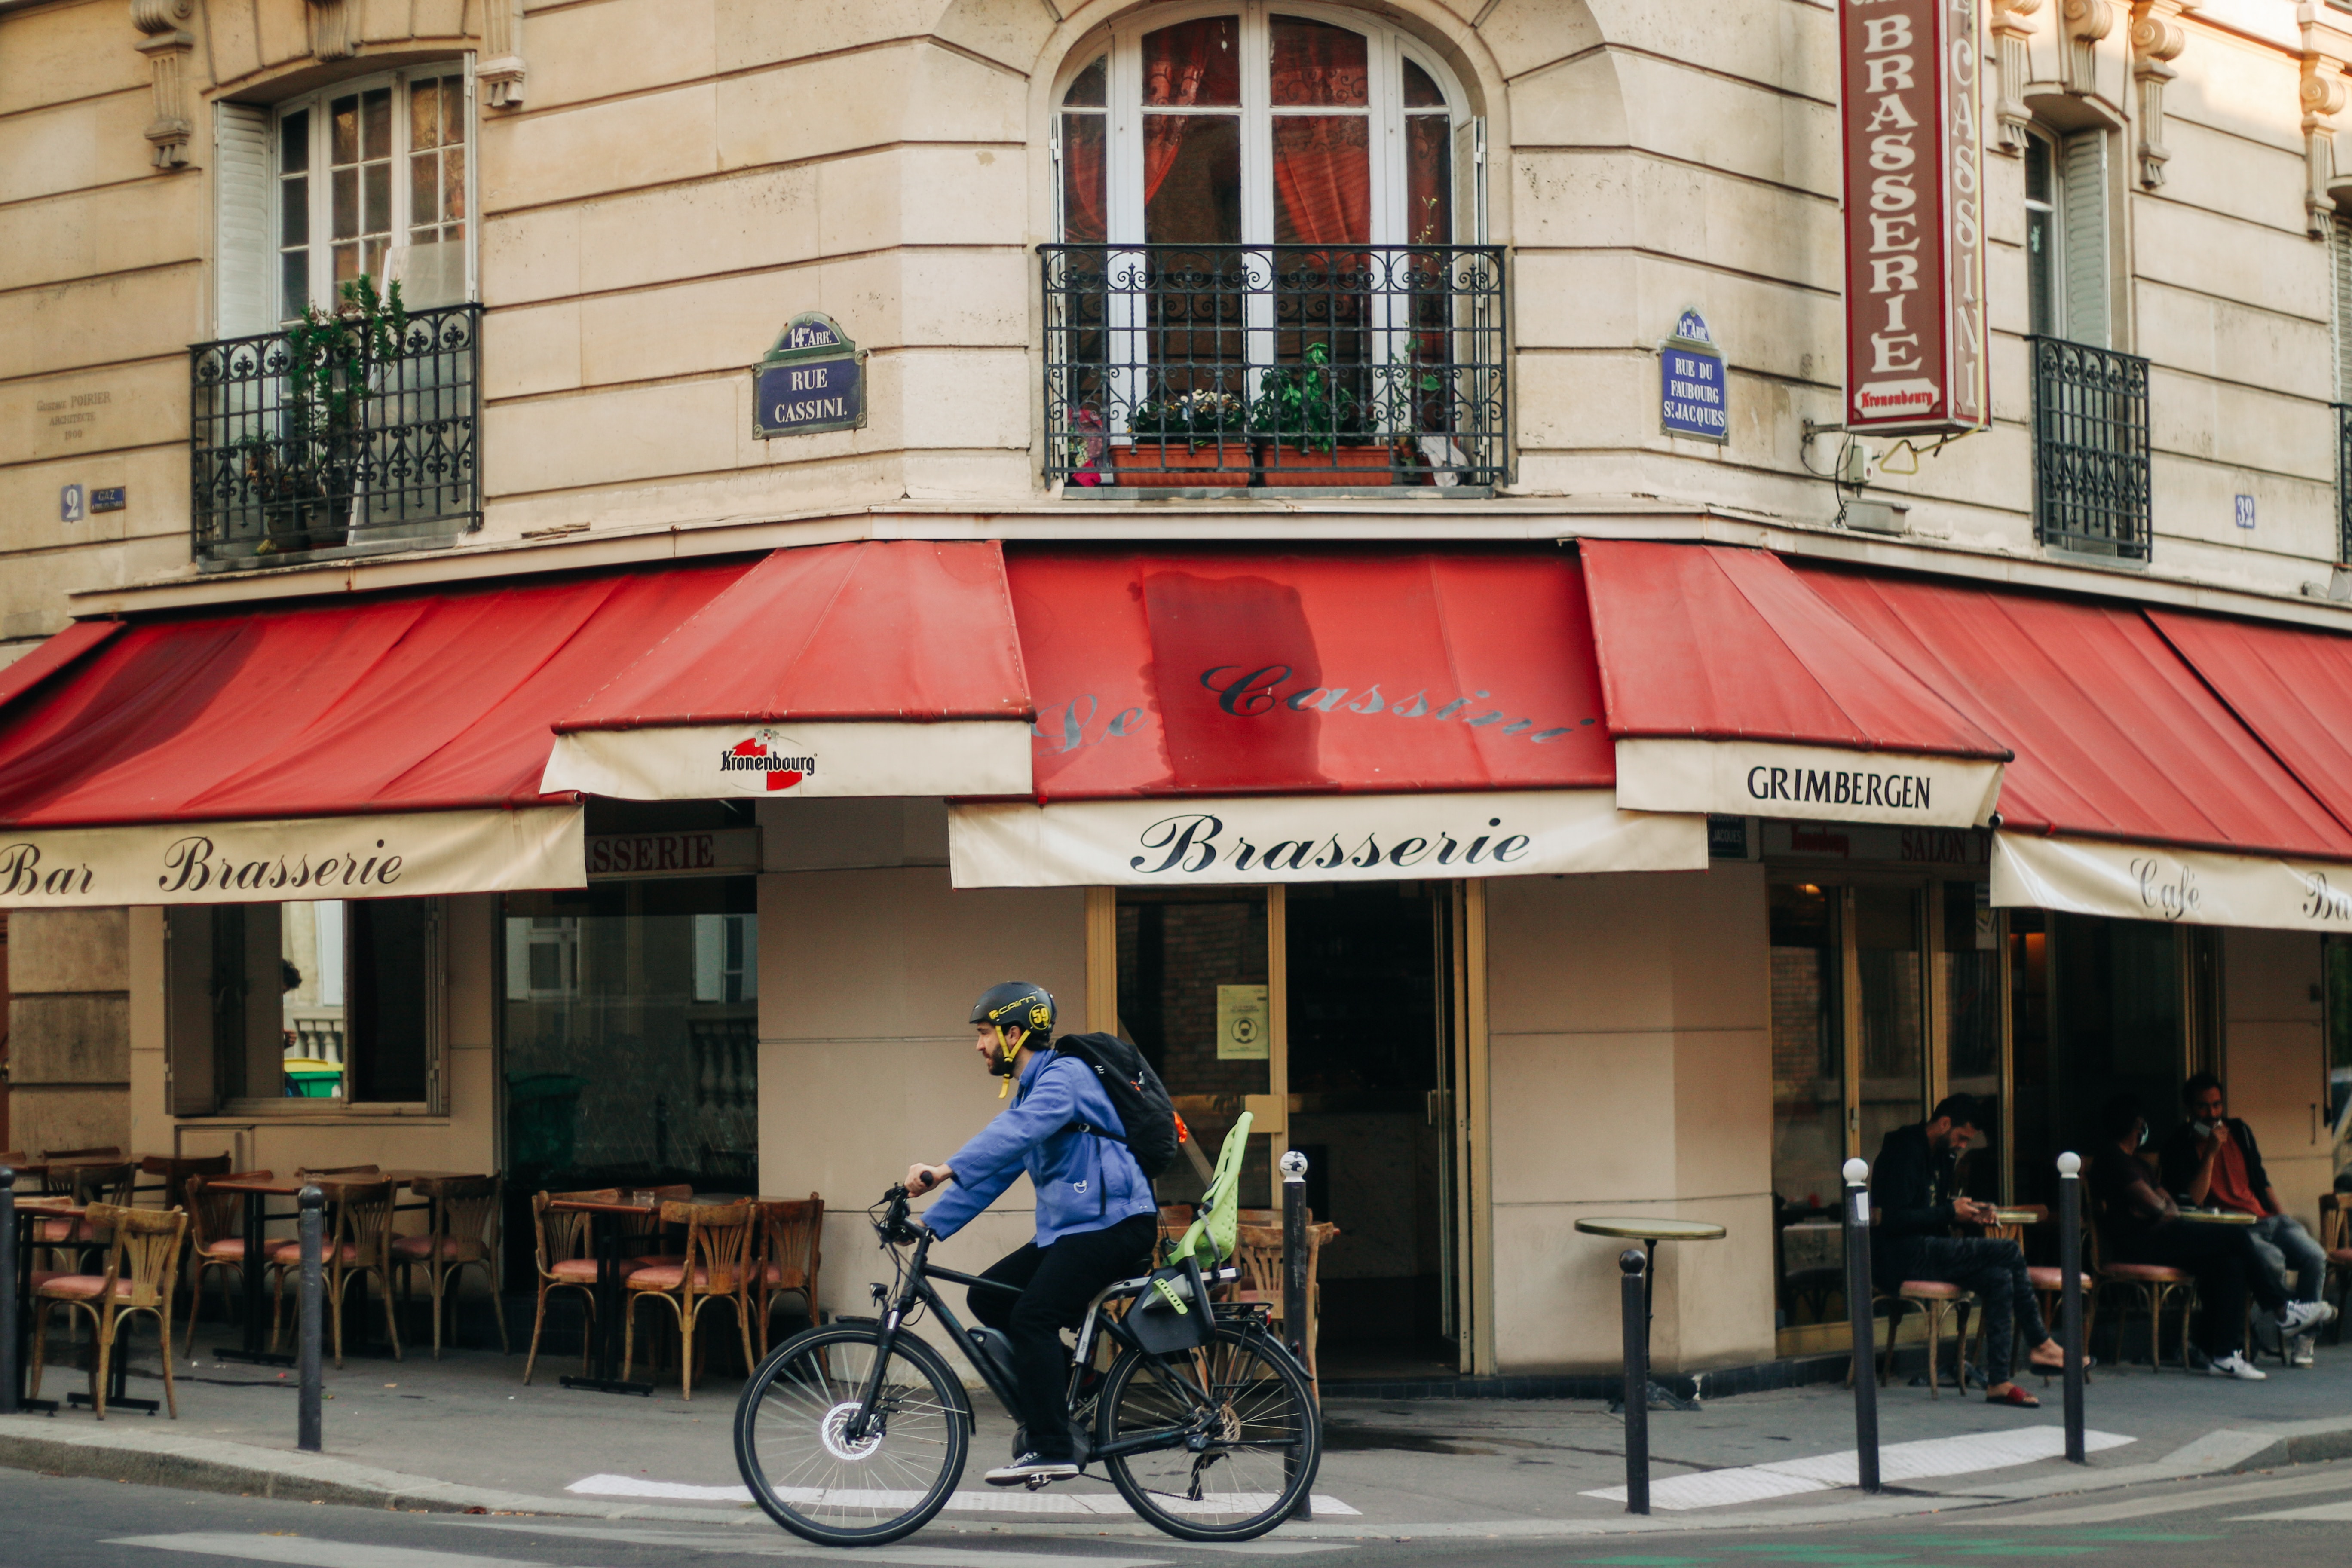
1136, 1093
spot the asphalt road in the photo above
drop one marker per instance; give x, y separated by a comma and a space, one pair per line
2296, 1515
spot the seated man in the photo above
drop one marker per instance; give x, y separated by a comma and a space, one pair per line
1915, 1188
2141, 1224
2210, 1161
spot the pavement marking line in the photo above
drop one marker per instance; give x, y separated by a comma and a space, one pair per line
314, 1552
771, 1541
2248, 1492
1003, 1501
1925, 1459
2326, 1510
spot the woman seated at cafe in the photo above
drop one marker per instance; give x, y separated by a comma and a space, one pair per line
2141, 1224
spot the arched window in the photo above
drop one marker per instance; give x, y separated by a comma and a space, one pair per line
1256, 124
1262, 207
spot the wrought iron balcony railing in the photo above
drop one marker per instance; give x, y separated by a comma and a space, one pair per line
1221, 366
370, 449
2090, 449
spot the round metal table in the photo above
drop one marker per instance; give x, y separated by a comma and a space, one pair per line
2218, 1216
1648, 1232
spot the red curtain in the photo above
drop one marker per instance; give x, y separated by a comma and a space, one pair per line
1082, 221
1179, 64
1322, 180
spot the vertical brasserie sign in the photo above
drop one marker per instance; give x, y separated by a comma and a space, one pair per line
1915, 285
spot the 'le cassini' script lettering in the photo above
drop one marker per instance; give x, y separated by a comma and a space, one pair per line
190, 866
1190, 843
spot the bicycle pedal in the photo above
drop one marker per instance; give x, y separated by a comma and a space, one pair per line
1038, 1483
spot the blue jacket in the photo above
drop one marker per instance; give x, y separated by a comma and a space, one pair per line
1083, 1183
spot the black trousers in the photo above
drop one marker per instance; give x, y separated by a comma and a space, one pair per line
1056, 1282
1994, 1271
2229, 1269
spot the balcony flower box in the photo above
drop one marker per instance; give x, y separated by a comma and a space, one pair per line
1284, 464
1222, 465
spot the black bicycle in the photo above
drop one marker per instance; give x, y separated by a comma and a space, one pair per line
855, 1433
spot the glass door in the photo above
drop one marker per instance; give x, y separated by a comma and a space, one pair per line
1809, 1101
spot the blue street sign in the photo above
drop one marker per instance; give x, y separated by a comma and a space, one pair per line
814, 379
1693, 395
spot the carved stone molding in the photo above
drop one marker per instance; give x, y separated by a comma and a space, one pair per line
499, 74
335, 28
2080, 25
167, 46
2321, 94
2156, 39
2012, 29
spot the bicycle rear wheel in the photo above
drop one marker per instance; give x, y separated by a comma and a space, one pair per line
1247, 1405
792, 1444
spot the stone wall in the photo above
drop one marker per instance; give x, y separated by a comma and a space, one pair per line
68, 1029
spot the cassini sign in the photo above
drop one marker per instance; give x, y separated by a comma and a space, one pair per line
812, 380
1914, 147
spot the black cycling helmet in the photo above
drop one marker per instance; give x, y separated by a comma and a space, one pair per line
1015, 1005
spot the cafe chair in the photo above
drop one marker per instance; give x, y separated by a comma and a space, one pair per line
142, 1261
71, 1240
790, 1239
215, 1241
562, 1252
2154, 1286
716, 1268
1258, 1251
175, 1173
15, 1160
462, 1233
2336, 1240
642, 1241
1934, 1300
359, 1245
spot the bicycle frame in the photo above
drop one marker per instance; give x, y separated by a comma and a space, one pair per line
916, 1288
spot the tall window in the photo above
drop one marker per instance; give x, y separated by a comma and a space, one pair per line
1262, 124
2066, 236
372, 178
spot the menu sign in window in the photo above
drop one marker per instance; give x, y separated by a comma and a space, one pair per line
1914, 150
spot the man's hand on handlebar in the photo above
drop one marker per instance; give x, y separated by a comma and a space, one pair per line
922, 1178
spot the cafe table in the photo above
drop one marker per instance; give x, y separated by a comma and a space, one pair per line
2218, 1216
30, 1212
257, 1192
606, 1209
1648, 1232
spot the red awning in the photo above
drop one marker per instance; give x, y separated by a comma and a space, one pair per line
53, 656
2115, 738
1314, 714
375, 722
2291, 686
1732, 687
875, 667
1308, 672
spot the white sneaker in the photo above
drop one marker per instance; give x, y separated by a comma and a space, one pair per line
2301, 1316
2238, 1366
1031, 1471
2301, 1350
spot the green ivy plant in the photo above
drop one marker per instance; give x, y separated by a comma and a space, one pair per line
328, 355
1305, 407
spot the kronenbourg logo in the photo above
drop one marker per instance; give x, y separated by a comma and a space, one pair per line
765, 754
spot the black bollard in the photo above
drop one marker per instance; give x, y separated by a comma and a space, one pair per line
1857, 1301
2069, 1312
1635, 1312
310, 1323
8, 1292
1295, 1304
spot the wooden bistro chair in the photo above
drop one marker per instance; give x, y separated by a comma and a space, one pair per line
1259, 1250
463, 1232
175, 1173
2155, 1286
216, 1240
565, 1261
643, 1245
142, 1261
2336, 1240
790, 1248
716, 1268
358, 1244
73, 1239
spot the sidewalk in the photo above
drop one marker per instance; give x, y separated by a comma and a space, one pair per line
464, 1433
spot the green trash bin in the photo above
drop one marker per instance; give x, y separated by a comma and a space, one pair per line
307, 1077
542, 1114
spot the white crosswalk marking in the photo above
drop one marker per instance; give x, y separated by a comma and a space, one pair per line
312, 1552
1008, 1499
1923, 1460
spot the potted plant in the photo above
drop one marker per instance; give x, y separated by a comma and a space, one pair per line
1197, 438
308, 479
1313, 426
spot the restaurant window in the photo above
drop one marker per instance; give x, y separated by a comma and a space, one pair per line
335, 1000
2338, 1095
631, 1038
2066, 251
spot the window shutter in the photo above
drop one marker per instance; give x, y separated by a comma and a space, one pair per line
188, 1054
2083, 208
1470, 182
2340, 259
244, 238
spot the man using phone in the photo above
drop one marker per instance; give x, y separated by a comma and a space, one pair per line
1916, 1188
2210, 1161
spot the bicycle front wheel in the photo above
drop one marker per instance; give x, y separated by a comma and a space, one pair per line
794, 1444
1243, 1438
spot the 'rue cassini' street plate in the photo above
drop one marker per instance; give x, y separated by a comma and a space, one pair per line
812, 380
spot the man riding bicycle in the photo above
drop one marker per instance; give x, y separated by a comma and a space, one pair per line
1097, 1216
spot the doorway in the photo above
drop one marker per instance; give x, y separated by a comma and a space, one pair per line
1331, 1012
